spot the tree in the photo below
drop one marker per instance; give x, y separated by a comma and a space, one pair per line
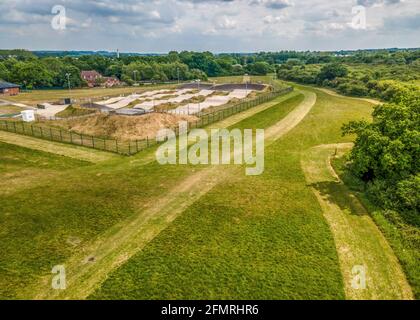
4, 73
386, 153
331, 71
259, 68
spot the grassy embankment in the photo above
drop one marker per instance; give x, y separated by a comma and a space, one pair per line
74, 204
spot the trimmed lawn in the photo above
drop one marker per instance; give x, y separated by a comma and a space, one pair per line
251, 237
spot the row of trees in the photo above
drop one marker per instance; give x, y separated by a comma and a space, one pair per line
31, 71
383, 82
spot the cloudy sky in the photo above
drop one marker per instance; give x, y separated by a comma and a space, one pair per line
215, 25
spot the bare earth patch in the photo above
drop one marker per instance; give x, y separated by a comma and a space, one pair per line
123, 127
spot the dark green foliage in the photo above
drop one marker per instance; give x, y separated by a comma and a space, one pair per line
387, 152
331, 71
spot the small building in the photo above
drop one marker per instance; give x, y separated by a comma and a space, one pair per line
8, 88
91, 77
28, 115
111, 82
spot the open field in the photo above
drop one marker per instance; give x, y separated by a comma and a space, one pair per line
9, 109
239, 79
184, 231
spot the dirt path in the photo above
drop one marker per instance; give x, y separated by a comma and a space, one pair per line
293, 118
75, 152
335, 94
359, 242
88, 269
230, 121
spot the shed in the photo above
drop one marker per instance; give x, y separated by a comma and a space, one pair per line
8, 88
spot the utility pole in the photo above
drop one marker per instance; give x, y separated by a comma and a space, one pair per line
68, 80
246, 83
135, 78
177, 71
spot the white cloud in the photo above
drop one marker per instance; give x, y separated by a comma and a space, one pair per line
218, 25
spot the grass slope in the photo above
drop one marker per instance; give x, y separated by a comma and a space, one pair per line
358, 240
403, 237
252, 237
60, 215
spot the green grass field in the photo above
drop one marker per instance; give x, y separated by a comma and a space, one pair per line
9, 109
175, 231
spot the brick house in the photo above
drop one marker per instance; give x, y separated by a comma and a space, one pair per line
95, 79
91, 77
111, 82
8, 88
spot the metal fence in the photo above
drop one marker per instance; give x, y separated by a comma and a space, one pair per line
133, 146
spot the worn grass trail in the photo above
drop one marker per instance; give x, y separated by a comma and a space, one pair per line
358, 240
90, 267
70, 151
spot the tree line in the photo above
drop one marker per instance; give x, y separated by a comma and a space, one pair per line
30, 71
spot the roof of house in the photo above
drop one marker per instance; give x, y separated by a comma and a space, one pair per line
8, 85
90, 73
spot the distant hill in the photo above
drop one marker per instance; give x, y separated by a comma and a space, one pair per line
17, 53
57, 53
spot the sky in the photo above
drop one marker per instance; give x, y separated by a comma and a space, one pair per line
159, 26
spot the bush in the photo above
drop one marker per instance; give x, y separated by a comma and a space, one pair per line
386, 153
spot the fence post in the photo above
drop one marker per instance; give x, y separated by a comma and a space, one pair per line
32, 130
71, 138
93, 142
14, 126
81, 139
42, 133
51, 135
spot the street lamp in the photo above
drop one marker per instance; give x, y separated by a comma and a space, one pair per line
246, 83
177, 71
68, 80
135, 78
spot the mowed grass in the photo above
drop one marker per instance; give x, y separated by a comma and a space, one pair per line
6, 110
51, 216
403, 237
261, 237
251, 237
61, 213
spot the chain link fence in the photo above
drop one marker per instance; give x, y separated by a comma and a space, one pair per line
133, 146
